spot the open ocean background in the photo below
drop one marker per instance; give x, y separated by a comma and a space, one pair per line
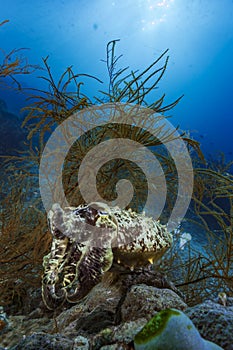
198, 33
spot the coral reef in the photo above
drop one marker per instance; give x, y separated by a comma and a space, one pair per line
100, 320
25, 238
99, 317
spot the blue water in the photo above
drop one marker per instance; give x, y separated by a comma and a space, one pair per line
198, 33
199, 36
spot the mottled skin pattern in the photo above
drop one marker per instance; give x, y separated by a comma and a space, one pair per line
79, 257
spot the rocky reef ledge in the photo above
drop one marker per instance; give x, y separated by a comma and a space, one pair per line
111, 315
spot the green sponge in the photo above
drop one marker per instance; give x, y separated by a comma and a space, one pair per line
171, 329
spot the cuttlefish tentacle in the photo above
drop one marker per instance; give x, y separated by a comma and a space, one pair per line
94, 263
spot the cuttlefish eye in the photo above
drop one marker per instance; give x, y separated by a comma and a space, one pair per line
103, 213
91, 215
81, 212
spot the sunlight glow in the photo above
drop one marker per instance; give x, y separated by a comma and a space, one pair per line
154, 12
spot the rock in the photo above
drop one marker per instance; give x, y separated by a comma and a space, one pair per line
171, 329
111, 315
4, 321
38, 341
108, 305
117, 346
102, 338
145, 301
81, 343
21, 326
110, 347
214, 321
121, 335
93, 313
127, 331
98, 317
